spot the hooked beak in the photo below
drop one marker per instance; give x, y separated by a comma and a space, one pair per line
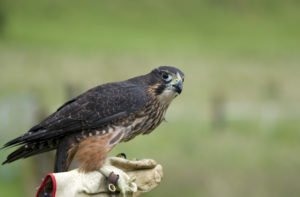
178, 84
178, 87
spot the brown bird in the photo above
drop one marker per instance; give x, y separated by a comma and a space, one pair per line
88, 126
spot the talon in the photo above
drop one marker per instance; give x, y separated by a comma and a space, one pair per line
122, 155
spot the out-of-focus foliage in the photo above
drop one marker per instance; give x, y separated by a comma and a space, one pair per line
234, 131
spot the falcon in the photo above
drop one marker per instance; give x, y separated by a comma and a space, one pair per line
88, 126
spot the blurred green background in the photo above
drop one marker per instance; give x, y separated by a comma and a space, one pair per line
235, 130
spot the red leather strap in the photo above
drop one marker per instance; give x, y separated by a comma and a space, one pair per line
50, 177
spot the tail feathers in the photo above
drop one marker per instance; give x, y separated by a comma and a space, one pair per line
28, 137
14, 142
26, 151
17, 154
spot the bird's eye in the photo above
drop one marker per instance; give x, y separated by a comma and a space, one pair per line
167, 77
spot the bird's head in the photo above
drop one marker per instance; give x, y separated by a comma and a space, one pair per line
167, 82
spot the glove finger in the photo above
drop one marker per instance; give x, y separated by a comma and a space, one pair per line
132, 164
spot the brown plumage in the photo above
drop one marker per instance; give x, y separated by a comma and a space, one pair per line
92, 151
89, 126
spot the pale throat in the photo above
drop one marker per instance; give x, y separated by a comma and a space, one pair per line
167, 96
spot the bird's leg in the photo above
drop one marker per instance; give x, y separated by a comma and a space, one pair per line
118, 180
64, 155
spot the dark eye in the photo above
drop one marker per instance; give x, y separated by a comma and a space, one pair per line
167, 77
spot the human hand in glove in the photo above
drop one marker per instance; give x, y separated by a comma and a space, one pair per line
119, 176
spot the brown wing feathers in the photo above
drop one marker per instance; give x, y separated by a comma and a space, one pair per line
92, 110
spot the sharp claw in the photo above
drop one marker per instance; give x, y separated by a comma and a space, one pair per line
122, 155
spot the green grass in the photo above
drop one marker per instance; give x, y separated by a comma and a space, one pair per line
231, 28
